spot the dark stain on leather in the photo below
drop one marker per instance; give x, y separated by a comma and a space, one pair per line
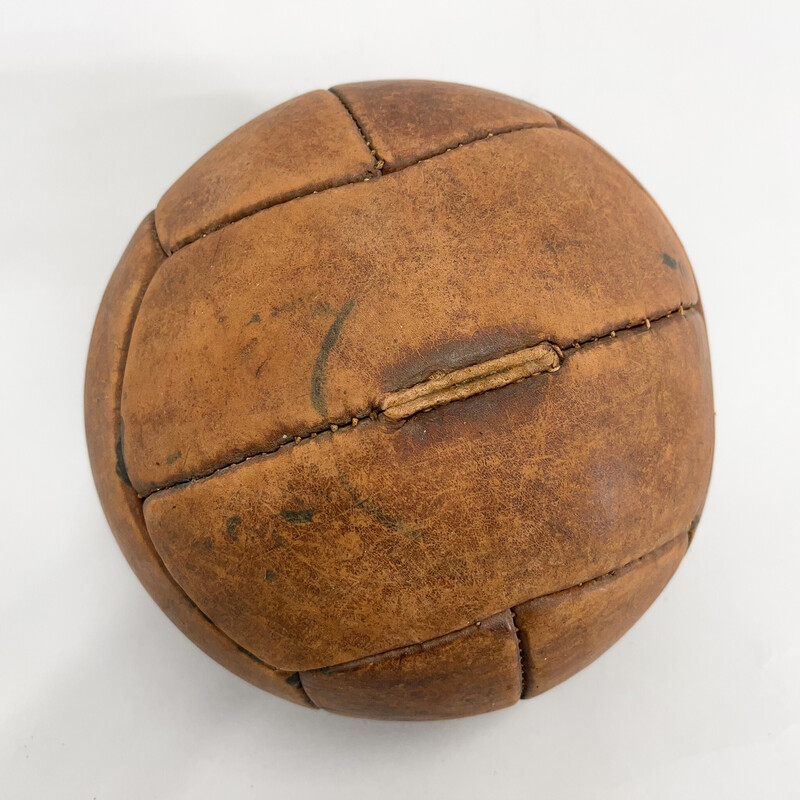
389, 521
318, 373
294, 679
231, 524
667, 259
435, 426
693, 528
297, 517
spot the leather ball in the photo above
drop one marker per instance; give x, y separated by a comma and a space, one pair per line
399, 403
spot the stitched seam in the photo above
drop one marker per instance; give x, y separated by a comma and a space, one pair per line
518, 639
398, 651
367, 141
338, 184
495, 132
352, 421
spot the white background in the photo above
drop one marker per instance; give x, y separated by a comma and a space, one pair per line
103, 105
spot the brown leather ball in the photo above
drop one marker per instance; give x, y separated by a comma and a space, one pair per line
399, 404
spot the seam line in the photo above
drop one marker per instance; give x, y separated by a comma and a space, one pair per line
352, 420
303, 689
521, 659
397, 651
367, 141
374, 174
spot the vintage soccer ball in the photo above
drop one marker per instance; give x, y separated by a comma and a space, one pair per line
399, 404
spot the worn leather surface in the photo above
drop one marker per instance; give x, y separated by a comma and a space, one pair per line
408, 120
496, 246
122, 506
383, 241
467, 672
563, 632
306, 144
382, 535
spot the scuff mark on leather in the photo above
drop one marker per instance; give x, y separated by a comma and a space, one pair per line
389, 521
318, 373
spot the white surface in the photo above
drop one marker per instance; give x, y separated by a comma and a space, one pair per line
103, 105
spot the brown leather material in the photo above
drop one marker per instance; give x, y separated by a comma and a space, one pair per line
122, 506
422, 358
564, 125
377, 536
563, 632
308, 313
409, 120
471, 671
306, 144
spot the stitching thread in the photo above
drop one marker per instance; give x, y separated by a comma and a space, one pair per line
352, 421
367, 141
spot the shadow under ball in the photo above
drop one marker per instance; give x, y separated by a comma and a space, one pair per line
399, 404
